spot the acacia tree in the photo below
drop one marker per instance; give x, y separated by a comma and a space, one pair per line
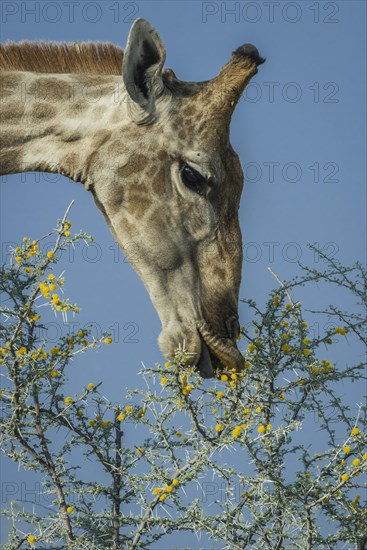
239, 433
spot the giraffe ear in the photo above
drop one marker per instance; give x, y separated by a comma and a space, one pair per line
144, 57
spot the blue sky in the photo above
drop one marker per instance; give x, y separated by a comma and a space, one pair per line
299, 131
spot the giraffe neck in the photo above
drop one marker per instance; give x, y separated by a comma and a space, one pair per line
55, 122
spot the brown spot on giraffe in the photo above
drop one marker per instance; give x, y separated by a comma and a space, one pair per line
43, 111
12, 114
134, 166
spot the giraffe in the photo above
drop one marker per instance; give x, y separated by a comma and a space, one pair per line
155, 154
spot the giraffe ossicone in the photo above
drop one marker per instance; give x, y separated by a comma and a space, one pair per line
154, 151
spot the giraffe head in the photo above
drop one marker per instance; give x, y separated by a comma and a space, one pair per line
173, 204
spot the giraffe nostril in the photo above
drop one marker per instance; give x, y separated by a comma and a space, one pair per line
233, 327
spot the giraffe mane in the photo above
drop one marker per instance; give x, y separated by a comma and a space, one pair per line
62, 57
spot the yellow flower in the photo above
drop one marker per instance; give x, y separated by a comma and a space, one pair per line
107, 340
51, 276
306, 352
121, 417
90, 386
285, 336
236, 432
105, 423
35, 317
44, 289
67, 233
268, 427
346, 449
251, 348
285, 347
18, 259
306, 341
288, 306
258, 409
345, 477
304, 324
214, 411
341, 330
163, 497
139, 450
261, 429
164, 380
169, 489
364, 456
246, 411
355, 431
247, 364
156, 491
50, 254
54, 351
28, 269
234, 376
68, 400
282, 396
224, 378
55, 299
220, 395
31, 539
129, 409
69, 509
356, 462
175, 482
179, 434
21, 351
52, 287
168, 364
218, 427
276, 300
67, 225
244, 426
315, 370
53, 373
92, 423
80, 413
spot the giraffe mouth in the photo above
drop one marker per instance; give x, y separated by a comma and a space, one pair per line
205, 363
218, 355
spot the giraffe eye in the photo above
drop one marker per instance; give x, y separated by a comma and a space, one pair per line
193, 179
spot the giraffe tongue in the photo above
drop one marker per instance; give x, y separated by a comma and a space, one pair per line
205, 363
